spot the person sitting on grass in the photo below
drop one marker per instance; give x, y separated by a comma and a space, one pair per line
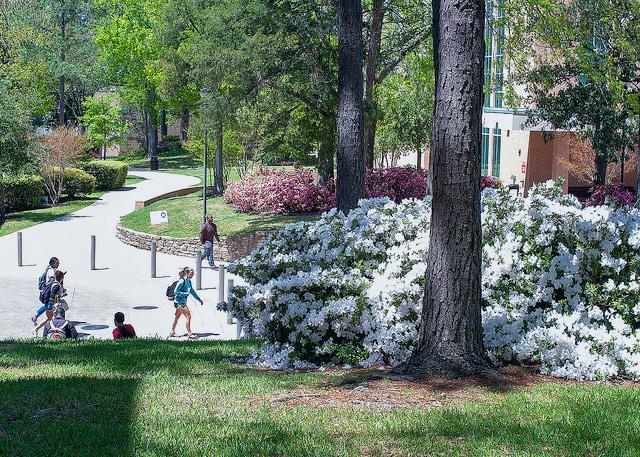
122, 330
59, 328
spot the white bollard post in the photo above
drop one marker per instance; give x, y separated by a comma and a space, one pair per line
154, 248
229, 287
198, 270
93, 252
19, 249
221, 284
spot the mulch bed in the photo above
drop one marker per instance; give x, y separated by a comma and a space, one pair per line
385, 391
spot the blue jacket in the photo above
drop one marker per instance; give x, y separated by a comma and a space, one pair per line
182, 291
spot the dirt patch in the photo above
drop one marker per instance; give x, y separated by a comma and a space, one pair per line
382, 390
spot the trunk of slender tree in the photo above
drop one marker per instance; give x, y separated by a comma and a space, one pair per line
61, 89
145, 131
375, 31
602, 160
419, 162
3, 207
151, 132
350, 152
451, 338
326, 153
163, 124
184, 125
218, 178
638, 166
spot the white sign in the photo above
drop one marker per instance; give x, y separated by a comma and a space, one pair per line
159, 217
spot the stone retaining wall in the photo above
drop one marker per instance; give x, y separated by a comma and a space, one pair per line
230, 248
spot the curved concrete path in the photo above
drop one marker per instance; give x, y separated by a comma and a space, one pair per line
122, 280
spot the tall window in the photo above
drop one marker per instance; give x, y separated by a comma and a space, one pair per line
484, 154
488, 56
497, 145
499, 86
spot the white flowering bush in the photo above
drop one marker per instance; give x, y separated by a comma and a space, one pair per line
559, 285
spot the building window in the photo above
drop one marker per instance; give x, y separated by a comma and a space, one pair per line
484, 154
499, 59
488, 56
497, 145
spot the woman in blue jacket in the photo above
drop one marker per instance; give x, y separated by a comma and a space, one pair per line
183, 289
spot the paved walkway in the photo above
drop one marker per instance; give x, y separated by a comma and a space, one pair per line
122, 280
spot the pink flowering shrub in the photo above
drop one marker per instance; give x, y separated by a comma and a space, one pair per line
612, 194
488, 182
285, 192
278, 192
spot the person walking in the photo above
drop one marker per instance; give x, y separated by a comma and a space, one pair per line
209, 234
59, 328
44, 279
53, 294
183, 289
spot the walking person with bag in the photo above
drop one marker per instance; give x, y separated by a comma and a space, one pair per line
44, 280
209, 234
51, 296
183, 289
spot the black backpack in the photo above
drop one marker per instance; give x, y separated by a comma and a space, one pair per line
45, 294
171, 291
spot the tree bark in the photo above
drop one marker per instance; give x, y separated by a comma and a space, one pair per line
451, 336
163, 124
184, 125
350, 152
326, 154
375, 37
218, 178
419, 162
3, 206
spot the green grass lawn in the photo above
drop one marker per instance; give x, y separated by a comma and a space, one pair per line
25, 219
153, 398
185, 218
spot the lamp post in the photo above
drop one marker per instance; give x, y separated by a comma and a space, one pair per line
203, 92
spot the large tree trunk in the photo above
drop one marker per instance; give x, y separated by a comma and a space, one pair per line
184, 124
451, 338
326, 153
218, 177
350, 152
375, 37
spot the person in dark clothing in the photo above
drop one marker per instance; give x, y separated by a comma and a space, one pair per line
122, 330
209, 234
59, 328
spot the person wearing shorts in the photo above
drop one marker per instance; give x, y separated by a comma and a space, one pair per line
183, 289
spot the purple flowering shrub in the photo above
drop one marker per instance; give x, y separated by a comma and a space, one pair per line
488, 182
296, 191
611, 194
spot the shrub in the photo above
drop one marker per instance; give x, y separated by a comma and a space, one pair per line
489, 182
23, 192
109, 174
78, 182
397, 183
612, 194
560, 285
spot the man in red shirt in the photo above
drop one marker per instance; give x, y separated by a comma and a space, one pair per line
122, 330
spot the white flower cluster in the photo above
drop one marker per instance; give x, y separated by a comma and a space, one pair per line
559, 285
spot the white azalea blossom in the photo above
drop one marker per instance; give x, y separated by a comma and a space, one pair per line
559, 286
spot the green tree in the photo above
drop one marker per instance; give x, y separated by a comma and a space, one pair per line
103, 119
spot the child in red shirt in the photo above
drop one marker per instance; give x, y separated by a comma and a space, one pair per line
122, 330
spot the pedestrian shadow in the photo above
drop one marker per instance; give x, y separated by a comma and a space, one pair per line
205, 335
144, 307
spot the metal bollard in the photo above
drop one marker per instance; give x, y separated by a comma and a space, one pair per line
198, 270
229, 287
93, 252
154, 248
19, 249
221, 284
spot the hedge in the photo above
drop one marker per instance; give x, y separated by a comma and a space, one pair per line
109, 174
23, 192
78, 182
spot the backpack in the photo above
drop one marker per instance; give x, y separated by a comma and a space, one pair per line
171, 291
45, 294
57, 333
42, 280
